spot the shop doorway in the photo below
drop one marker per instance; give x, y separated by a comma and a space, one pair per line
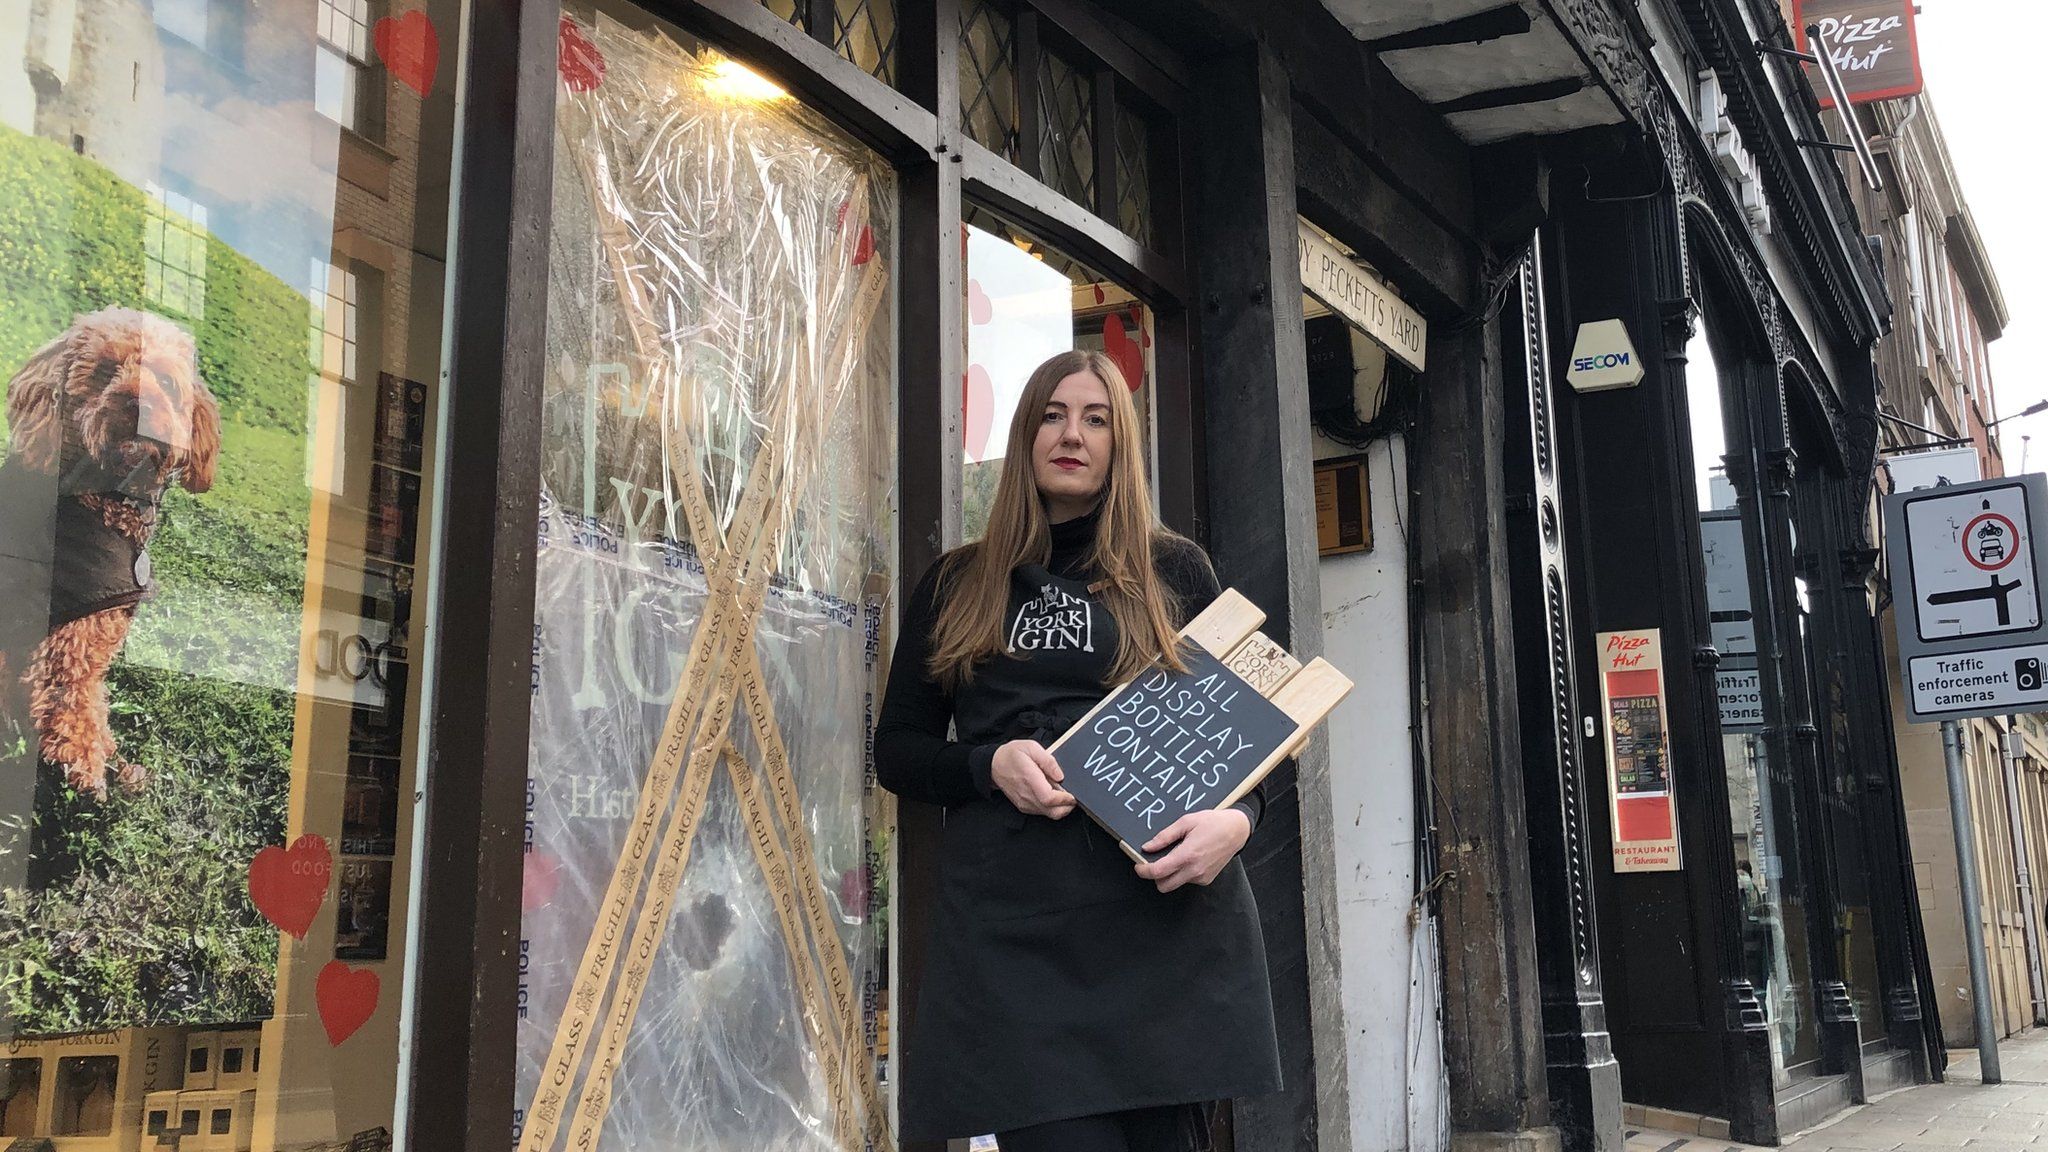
1361, 391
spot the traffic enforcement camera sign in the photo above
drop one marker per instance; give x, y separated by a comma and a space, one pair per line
1966, 561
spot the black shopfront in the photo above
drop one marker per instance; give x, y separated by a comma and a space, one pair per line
958, 184
1721, 506
657, 348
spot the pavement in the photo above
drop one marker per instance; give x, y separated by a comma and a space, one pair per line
1961, 1114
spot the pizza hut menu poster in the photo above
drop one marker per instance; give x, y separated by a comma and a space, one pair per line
1632, 699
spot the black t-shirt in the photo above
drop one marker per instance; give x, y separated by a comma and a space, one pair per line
1062, 642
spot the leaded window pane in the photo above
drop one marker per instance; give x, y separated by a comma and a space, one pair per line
988, 78
864, 31
1133, 174
1066, 147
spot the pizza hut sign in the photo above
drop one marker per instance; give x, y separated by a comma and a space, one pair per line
1873, 43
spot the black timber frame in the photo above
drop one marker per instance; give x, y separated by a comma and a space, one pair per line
1686, 1025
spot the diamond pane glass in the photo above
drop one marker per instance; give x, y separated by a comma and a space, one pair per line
784, 9
1133, 174
1066, 148
864, 31
988, 77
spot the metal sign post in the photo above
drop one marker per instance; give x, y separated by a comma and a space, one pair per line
1973, 902
1966, 563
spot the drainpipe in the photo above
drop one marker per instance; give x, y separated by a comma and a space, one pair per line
2021, 854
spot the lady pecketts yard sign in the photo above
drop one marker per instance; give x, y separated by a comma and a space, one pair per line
1643, 806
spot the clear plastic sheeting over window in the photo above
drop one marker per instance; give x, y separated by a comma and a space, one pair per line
703, 955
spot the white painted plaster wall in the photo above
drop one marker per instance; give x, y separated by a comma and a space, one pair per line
1390, 982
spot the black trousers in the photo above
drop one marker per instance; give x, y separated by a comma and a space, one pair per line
1175, 1128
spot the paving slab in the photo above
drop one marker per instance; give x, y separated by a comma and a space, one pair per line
1960, 1115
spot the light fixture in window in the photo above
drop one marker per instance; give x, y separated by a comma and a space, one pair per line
734, 80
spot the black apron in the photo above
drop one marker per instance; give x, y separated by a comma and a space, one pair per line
1058, 983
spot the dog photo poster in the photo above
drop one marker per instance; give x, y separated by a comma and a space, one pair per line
158, 473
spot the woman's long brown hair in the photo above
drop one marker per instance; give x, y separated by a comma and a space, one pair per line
975, 581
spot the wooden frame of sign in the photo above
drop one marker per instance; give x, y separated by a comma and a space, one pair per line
1166, 744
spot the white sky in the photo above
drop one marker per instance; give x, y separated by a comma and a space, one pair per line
1983, 66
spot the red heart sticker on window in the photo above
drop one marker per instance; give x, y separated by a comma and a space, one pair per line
411, 49
347, 997
980, 309
582, 65
1119, 347
289, 885
978, 399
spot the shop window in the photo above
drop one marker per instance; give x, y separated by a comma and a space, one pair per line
174, 252
718, 404
1026, 301
187, 822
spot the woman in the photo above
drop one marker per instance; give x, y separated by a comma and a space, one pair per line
1071, 1002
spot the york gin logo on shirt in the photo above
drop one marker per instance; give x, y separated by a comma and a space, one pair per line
1054, 621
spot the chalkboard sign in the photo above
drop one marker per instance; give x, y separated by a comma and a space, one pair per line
1168, 744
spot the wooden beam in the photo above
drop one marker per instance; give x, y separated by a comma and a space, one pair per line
1147, 63
1026, 67
931, 290
1349, 198
465, 1036
1108, 186
1075, 229
1410, 147
1493, 1032
1493, 98
1261, 515
1478, 28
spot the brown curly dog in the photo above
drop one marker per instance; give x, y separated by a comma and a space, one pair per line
101, 421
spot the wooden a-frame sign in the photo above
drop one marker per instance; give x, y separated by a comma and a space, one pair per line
1167, 744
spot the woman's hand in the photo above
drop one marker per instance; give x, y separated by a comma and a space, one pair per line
1203, 842
1030, 777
